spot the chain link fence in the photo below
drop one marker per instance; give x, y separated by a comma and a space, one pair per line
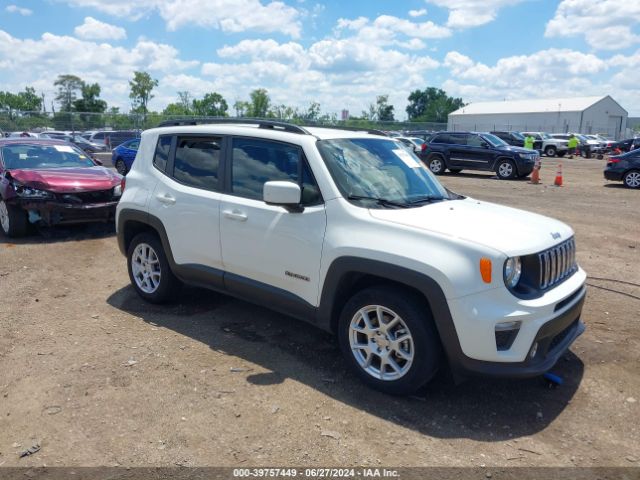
605, 130
13, 121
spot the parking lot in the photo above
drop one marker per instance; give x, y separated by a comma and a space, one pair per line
98, 377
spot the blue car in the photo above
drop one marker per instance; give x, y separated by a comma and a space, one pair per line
124, 154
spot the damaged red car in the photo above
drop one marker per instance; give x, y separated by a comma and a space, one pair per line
51, 182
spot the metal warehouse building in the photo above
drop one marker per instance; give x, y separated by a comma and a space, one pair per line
555, 115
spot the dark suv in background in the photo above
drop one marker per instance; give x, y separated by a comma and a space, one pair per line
457, 151
516, 139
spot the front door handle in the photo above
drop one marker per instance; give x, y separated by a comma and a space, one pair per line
167, 199
235, 215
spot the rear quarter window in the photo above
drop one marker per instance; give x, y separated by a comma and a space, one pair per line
161, 156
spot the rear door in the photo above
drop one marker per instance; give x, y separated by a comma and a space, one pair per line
187, 199
459, 154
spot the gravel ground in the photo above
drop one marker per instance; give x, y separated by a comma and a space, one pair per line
97, 377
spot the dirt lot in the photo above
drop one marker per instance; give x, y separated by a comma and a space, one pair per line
98, 377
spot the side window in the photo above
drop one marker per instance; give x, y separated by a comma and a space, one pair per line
458, 139
134, 145
99, 136
474, 141
197, 161
255, 162
162, 153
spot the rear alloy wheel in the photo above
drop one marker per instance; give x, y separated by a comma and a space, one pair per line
550, 151
436, 165
388, 338
13, 220
121, 167
149, 269
506, 170
631, 179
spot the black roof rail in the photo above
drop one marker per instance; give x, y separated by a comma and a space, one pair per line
267, 124
371, 131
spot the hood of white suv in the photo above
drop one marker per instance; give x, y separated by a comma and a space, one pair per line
509, 230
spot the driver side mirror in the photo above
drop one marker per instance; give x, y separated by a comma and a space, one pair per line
282, 193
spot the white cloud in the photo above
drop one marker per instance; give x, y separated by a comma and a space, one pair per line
20, 10
93, 29
605, 24
418, 13
39, 61
472, 13
226, 15
547, 73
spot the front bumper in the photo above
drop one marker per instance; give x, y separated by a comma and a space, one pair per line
51, 212
551, 321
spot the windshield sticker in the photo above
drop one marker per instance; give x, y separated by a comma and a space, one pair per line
82, 156
63, 148
22, 156
407, 158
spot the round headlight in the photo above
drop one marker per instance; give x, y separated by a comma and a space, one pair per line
512, 271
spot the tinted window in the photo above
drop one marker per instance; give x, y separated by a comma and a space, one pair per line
196, 161
458, 139
134, 145
162, 153
474, 141
99, 136
442, 138
258, 161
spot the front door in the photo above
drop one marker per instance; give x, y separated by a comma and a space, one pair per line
267, 249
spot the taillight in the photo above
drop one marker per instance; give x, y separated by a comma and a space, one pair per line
423, 147
614, 160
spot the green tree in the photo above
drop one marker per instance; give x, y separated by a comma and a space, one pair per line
185, 101
432, 105
68, 88
212, 105
176, 109
284, 112
140, 94
384, 111
241, 107
89, 102
259, 104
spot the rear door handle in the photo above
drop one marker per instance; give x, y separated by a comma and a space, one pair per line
167, 199
235, 215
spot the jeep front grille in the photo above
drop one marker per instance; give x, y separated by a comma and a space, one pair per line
557, 263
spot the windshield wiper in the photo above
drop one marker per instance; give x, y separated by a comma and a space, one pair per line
426, 199
380, 201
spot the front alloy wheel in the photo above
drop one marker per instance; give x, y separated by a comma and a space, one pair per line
389, 340
506, 170
632, 179
381, 342
13, 220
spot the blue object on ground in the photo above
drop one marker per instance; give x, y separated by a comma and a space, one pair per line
553, 378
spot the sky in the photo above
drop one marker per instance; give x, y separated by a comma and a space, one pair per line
339, 53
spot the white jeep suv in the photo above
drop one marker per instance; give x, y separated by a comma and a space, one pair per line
349, 231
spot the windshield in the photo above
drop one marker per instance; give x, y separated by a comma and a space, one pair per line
378, 172
417, 141
30, 156
493, 140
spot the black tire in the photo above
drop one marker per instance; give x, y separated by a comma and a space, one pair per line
455, 170
121, 167
550, 151
169, 286
631, 179
15, 222
436, 164
561, 154
414, 312
506, 169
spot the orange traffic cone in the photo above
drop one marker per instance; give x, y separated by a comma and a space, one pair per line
558, 181
535, 175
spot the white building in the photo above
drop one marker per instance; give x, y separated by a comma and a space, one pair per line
579, 115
